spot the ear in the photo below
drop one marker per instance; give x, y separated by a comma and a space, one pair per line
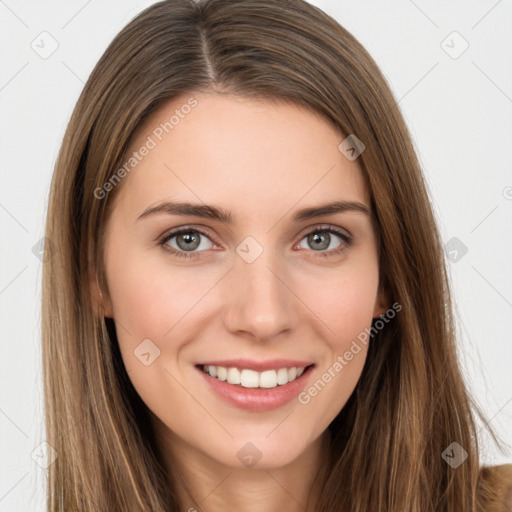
101, 301
381, 302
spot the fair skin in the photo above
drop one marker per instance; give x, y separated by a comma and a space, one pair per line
298, 300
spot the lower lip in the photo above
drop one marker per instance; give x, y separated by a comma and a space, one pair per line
257, 399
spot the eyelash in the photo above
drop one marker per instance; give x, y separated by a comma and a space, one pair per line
347, 241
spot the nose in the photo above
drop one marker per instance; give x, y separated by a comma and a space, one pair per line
261, 302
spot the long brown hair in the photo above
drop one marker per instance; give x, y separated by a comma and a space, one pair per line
411, 401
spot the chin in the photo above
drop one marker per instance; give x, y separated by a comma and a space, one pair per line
261, 451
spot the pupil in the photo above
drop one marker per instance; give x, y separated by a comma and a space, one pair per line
317, 239
190, 240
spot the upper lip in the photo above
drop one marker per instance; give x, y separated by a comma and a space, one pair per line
259, 366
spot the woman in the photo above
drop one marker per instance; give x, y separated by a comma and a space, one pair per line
249, 306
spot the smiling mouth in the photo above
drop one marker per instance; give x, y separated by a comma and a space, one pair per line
245, 378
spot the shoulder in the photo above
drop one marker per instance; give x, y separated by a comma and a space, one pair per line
495, 488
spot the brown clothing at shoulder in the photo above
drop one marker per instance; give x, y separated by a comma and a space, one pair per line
495, 488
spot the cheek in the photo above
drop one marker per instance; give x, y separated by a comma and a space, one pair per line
345, 304
152, 300
156, 300
344, 300
150, 297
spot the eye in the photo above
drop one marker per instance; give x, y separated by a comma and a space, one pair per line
187, 240
320, 240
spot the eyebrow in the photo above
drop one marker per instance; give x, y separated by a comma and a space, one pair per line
215, 213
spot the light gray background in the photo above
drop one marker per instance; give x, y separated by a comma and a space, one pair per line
458, 110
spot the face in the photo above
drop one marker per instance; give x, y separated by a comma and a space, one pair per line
231, 312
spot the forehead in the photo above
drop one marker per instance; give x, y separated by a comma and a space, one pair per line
250, 155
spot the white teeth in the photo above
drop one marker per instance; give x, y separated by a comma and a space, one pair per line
269, 379
253, 379
249, 379
233, 376
282, 376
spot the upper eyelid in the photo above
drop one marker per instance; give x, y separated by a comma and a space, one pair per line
324, 227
